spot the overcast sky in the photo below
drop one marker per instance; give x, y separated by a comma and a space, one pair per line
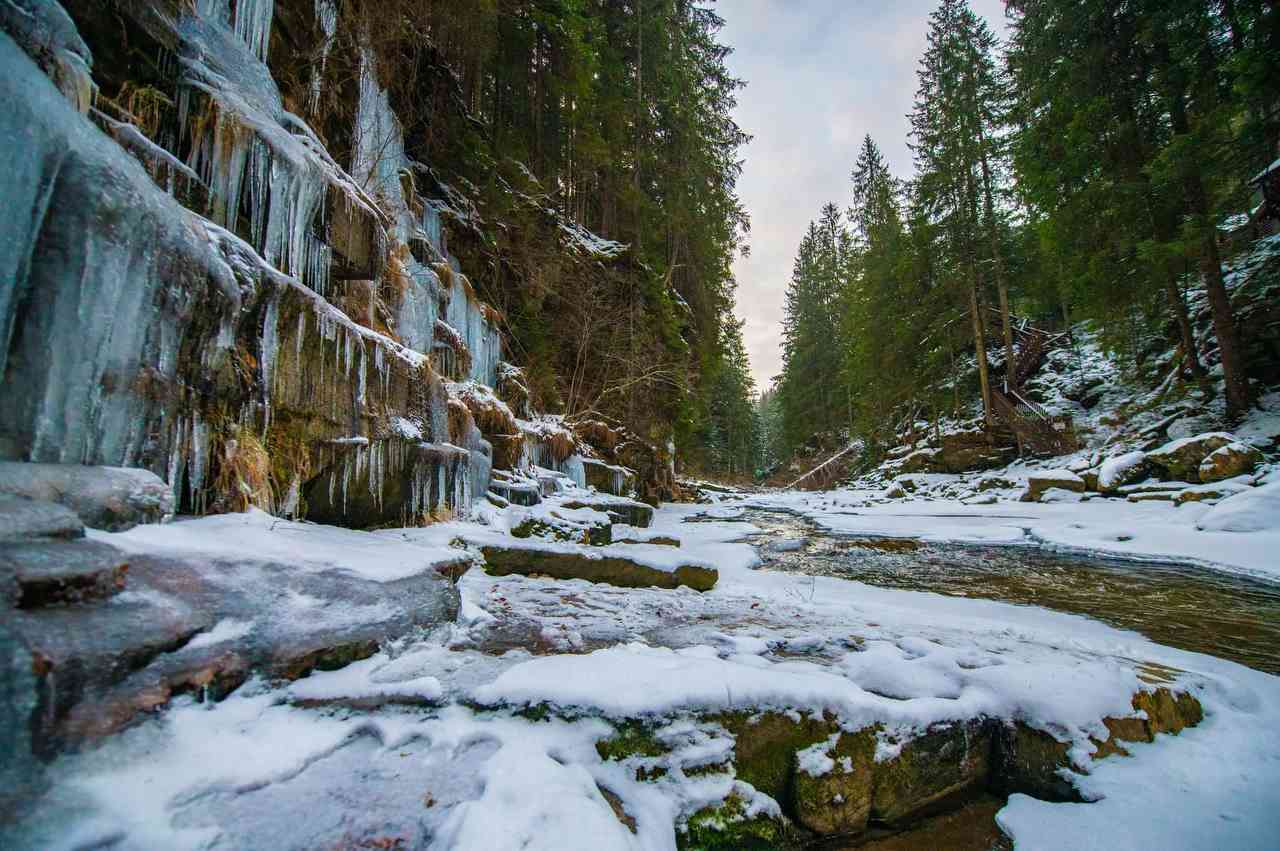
820, 74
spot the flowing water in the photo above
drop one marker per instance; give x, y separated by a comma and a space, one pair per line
1206, 611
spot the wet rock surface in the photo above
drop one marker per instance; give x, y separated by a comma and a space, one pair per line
109, 498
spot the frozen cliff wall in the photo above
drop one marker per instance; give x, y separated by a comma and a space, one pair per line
141, 332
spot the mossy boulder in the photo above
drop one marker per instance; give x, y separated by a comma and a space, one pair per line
596, 533
837, 800
1234, 459
612, 569
948, 761
1180, 460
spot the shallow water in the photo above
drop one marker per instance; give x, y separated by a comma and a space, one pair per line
1191, 608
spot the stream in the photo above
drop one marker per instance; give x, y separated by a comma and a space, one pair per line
1205, 611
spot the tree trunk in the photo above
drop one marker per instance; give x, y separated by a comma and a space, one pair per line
1179, 308
1224, 326
1002, 285
980, 350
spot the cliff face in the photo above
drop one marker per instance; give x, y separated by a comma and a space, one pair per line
196, 284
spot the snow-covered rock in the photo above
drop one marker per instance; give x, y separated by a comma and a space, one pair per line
1041, 482
1230, 461
1253, 510
1122, 470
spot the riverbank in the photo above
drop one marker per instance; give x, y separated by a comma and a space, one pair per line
563, 714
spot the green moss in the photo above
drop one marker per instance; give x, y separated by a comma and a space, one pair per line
631, 739
727, 827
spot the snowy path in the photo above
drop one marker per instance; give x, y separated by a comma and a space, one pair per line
294, 767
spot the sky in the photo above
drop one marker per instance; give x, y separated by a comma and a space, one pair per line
820, 75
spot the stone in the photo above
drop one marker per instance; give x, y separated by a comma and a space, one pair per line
554, 527
1180, 459
109, 498
1168, 711
896, 491
1033, 762
839, 801
21, 773
765, 745
620, 508
1121, 470
1152, 496
1204, 493
1234, 459
517, 493
993, 483
202, 626
609, 478
1039, 483
53, 572
946, 762
612, 569
23, 519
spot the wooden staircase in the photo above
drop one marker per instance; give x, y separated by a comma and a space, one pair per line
1036, 431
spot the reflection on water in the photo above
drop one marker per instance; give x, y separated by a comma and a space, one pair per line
1191, 608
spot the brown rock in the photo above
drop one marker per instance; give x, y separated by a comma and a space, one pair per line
839, 801
1234, 459
612, 569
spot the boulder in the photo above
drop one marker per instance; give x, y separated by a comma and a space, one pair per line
988, 483
947, 761
1121, 470
609, 478
620, 508
833, 784
608, 566
517, 493
1039, 483
1234, 459
1033, 762
110, 498
582, 526
1180, 459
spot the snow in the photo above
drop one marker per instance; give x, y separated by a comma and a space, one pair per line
1252, 510
306, 546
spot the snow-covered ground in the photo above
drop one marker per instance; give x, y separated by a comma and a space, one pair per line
300, 765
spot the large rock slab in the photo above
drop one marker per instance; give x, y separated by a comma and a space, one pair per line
52, 572
23, 519
609, 478
202, 624
622, 509
595, 565
109, 498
